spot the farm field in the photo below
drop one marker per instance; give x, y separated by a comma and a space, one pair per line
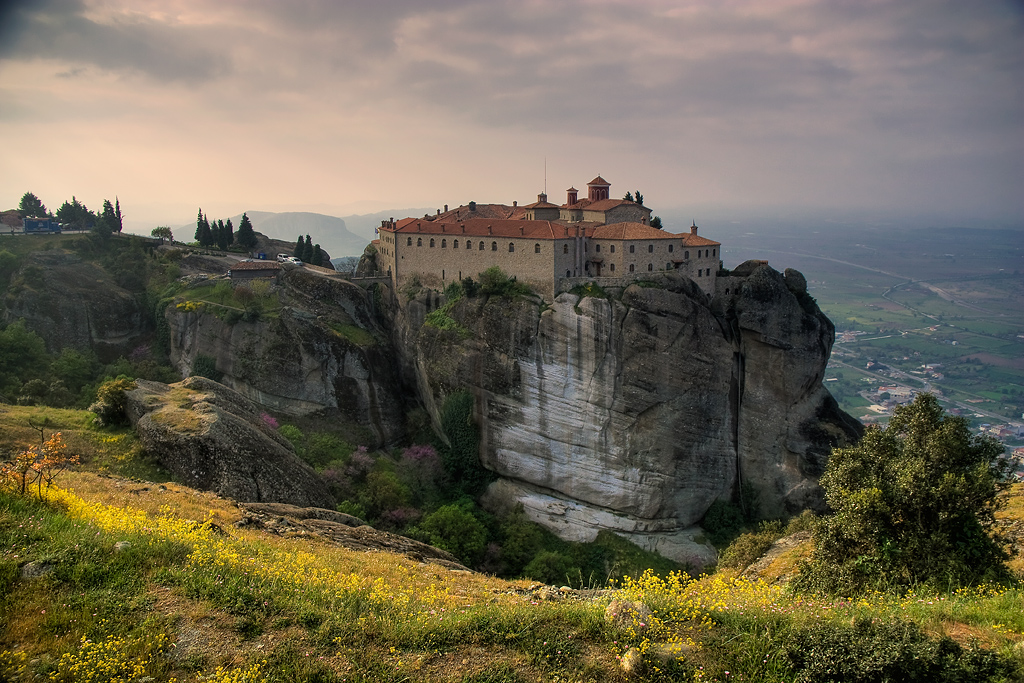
937, 310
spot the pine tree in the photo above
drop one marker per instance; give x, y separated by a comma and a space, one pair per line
307, 250
31, 206
230, 232
300, 248
222, 235
117, 215
318, 256
245, 237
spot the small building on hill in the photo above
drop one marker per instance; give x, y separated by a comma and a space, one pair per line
246, 271
546, 246
41, 225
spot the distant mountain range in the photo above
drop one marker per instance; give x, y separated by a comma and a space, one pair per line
339, 237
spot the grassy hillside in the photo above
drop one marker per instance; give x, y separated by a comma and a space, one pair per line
117, 578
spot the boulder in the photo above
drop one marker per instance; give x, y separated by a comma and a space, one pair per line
213, 439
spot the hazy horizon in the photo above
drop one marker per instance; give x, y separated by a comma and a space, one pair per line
748, 108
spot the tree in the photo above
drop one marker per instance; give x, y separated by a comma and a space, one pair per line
229, 232
31, 206
456, 530
628, 197
117, 224
300, 248
222, 235
307, 250
246, 237
163, 233
318, 256
638, 198
75, 215
913, 503
204, 236
656, 222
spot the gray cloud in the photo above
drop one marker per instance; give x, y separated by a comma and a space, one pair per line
62, 30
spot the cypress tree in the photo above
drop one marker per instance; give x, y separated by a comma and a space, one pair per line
300, 248
246, 237
117, 214
222, 235
307, 250
230, 232
318, 256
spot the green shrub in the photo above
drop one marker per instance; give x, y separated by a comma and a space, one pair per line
111, 402
750, 546
206, 366
456, 530
869, 651
461, 457
495, 282
722, 522
914, 504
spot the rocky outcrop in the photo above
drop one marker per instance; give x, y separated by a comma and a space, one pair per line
72, 303
635, 412
213, 439
323, 352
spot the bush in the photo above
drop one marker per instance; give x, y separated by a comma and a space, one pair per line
206, 366
750, 546
111, 402
870, 651
913, 503
461, 457
456, 530
495, 282
549, 567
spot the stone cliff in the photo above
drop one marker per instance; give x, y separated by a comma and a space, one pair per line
636, 410
324, 351
72, 303
213, 439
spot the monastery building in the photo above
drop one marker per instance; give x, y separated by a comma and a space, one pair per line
549, 247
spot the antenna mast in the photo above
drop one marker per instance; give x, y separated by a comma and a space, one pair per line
545, 175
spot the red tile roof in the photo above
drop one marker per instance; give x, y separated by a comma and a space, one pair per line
607, 204
599, 181
631, 231
543, 230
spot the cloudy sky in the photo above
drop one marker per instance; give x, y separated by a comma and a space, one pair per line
902, 106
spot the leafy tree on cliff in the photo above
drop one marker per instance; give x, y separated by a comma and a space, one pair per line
163, 233
913, 504
31, 206
245, 237
656, 222
75, 215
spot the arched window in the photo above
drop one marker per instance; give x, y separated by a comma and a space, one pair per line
536, 248
567, 274
419, 241
686, 254
631, 267
714, 252
409, 243
511, 247
705, 253
650, 248
586, 266
481, 246
613, 267
632, 249
613, 248
650, 266
455, 245
444, 243
597, 248
668, 266
494, 246
565, 249
431, 242
671, 247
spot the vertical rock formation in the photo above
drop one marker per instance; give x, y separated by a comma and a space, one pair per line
635, 412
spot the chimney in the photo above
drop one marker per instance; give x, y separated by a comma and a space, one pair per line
472, 206
439, 212
570, 197
489, 230
542, 197
446, 208
514, 203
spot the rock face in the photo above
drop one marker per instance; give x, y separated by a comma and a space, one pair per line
71, 303
634, 412
324, 352
213, 439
